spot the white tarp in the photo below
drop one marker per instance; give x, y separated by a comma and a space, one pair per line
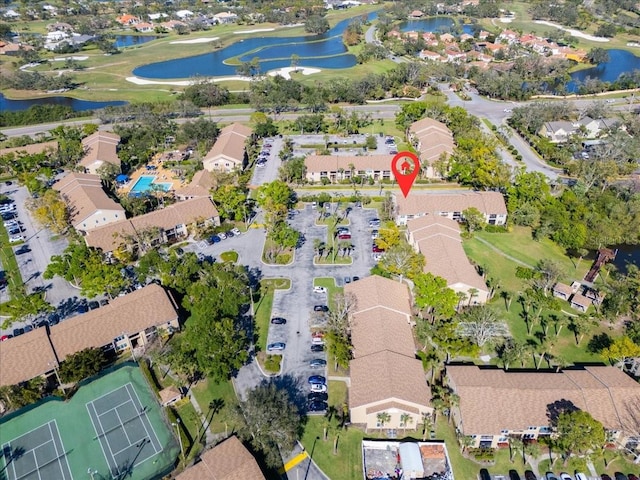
411, 460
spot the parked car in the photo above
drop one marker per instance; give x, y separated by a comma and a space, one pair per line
347, 280
320, 308
278, 320
619, 476
374, 222
318, 363
53, 319
93, 305
4, 338
29, 328
565, 476
631, 477
318, 387
581, 476
317, 396
318, 379
261, 163
355, 279
529, 475
319, 290
10, 223
236, 231
317, 340
18, 331
16, 238
214, 239
513, 475
22, 249
317, 406
222, 235
376, 249
230, 234
550, 476
484, 474
604, 476
317, 348
344, 236
276, 347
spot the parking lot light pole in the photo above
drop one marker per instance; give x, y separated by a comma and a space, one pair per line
177, 425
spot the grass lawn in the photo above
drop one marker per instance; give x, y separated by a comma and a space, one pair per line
193, 425
262, 307
10, 265
330, 284
224, 398
615, 463
331, 254
283, 258
230, 256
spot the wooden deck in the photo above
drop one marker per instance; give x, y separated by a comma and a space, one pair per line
604, 255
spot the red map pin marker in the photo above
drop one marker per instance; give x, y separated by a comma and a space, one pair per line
405, 167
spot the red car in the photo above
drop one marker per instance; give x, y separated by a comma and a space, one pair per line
344, 236
377, 249
5, 337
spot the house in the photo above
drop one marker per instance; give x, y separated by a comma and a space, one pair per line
429, 55
144, 27
587, 127
451, 205
508, 36
182, 14
32, 149
165, 225
438, 239
88, 204
229, 460
447, 38
60, 26
11, 14
580, 302
225, 17
416, 14
454, 55
382, 458
495, 404
9, 48
433, 141
562, 291
127, 19
201, 185
385, 375
100, 148
169, 396
126, 322
157, 16
229, 152
334, 168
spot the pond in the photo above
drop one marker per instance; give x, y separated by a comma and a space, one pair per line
133, 40
8, 105
620, 61
627, 254
321, 51
433, 24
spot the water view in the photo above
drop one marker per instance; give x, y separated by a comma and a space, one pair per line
133, 40
433, 24
627, 254
8, 105
620, 61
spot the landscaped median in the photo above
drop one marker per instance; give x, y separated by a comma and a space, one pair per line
335, 251
263, 303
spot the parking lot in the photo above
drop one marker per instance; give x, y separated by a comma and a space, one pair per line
268, 164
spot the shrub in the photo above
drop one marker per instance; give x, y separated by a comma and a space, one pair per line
272, 363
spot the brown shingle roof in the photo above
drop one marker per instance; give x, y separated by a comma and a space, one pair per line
376, 291
581, 300
492, 400
566, 290
434, 139
386, 376
31, 149
169, 394
201, 185
486, 202
230, 143
133, 313
380, 329
84, 196
228, 460
25, 357
100, 146
438, 239
110, 236
333, 163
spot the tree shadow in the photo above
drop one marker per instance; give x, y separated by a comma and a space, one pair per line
10, 454
555, 409
599, 342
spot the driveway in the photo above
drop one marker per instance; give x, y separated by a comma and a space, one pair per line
269, 172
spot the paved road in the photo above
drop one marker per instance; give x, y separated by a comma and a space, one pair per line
269, 172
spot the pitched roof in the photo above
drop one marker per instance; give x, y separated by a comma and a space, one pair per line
385, 376
492, 400
150, 306
333, 163
31, 149
229, 460
438, 239
100, 146
379, 329
230, 143
563, 288
201, 185
25, 357
168, 394
83, 194
109, 237
486, 202
434, 139
376, 291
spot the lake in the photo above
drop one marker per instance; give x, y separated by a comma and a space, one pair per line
9, 105
133, 40
626, 254
433, 24
321, 51
620, 61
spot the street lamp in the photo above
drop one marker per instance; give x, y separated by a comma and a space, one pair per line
55, 371
177, 425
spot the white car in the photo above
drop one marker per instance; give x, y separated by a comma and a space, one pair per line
16, 238
580, 476
222, 235
318, 388
565, 476
236, 231
319, 290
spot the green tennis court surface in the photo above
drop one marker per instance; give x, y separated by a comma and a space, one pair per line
112, 428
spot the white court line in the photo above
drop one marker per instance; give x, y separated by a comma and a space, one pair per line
126, 448
99, 435
123, 429
111, 409
108, 393
143, 423
66, 458
32, 450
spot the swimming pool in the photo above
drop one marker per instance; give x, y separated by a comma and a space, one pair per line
143, 184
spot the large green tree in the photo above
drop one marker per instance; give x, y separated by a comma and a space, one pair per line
432, 295
578, 432
82, 364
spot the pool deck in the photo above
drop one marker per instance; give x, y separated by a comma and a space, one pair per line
161, 174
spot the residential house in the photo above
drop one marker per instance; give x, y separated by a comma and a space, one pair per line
182, 14
88, 204
60, 26
495, 404
157, 16
454, 55
228, 460
385, 375
433, 141
100, 148
451, 205
201, 185
438, 239
11, 14
508, 36
160, 226
466, 37
587, 127
483, 35
144, 27
225, 17
127, 19
126, 322
562, 291
9, 48
416, 14
447, 38
334, 168
429, 55
580, 302
229, 152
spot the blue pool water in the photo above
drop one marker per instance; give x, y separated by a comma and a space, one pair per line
143, 184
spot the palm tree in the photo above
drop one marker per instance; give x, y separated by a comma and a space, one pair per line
461, 298
383, 418
427, 424
515, 445
508, 297
473, 292
405, 419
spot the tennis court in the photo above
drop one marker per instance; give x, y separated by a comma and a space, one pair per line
112, 428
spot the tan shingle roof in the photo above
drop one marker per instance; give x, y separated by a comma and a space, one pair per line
110, 236
228, 460
434, 139
201, 185
168, 394
438, 239
100, 146
31, 149
563, 288
376, 291
132, 313
25, 357
486, 202
84, 196
333, 163
380, 329
492, 400
386, 376
230, 143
